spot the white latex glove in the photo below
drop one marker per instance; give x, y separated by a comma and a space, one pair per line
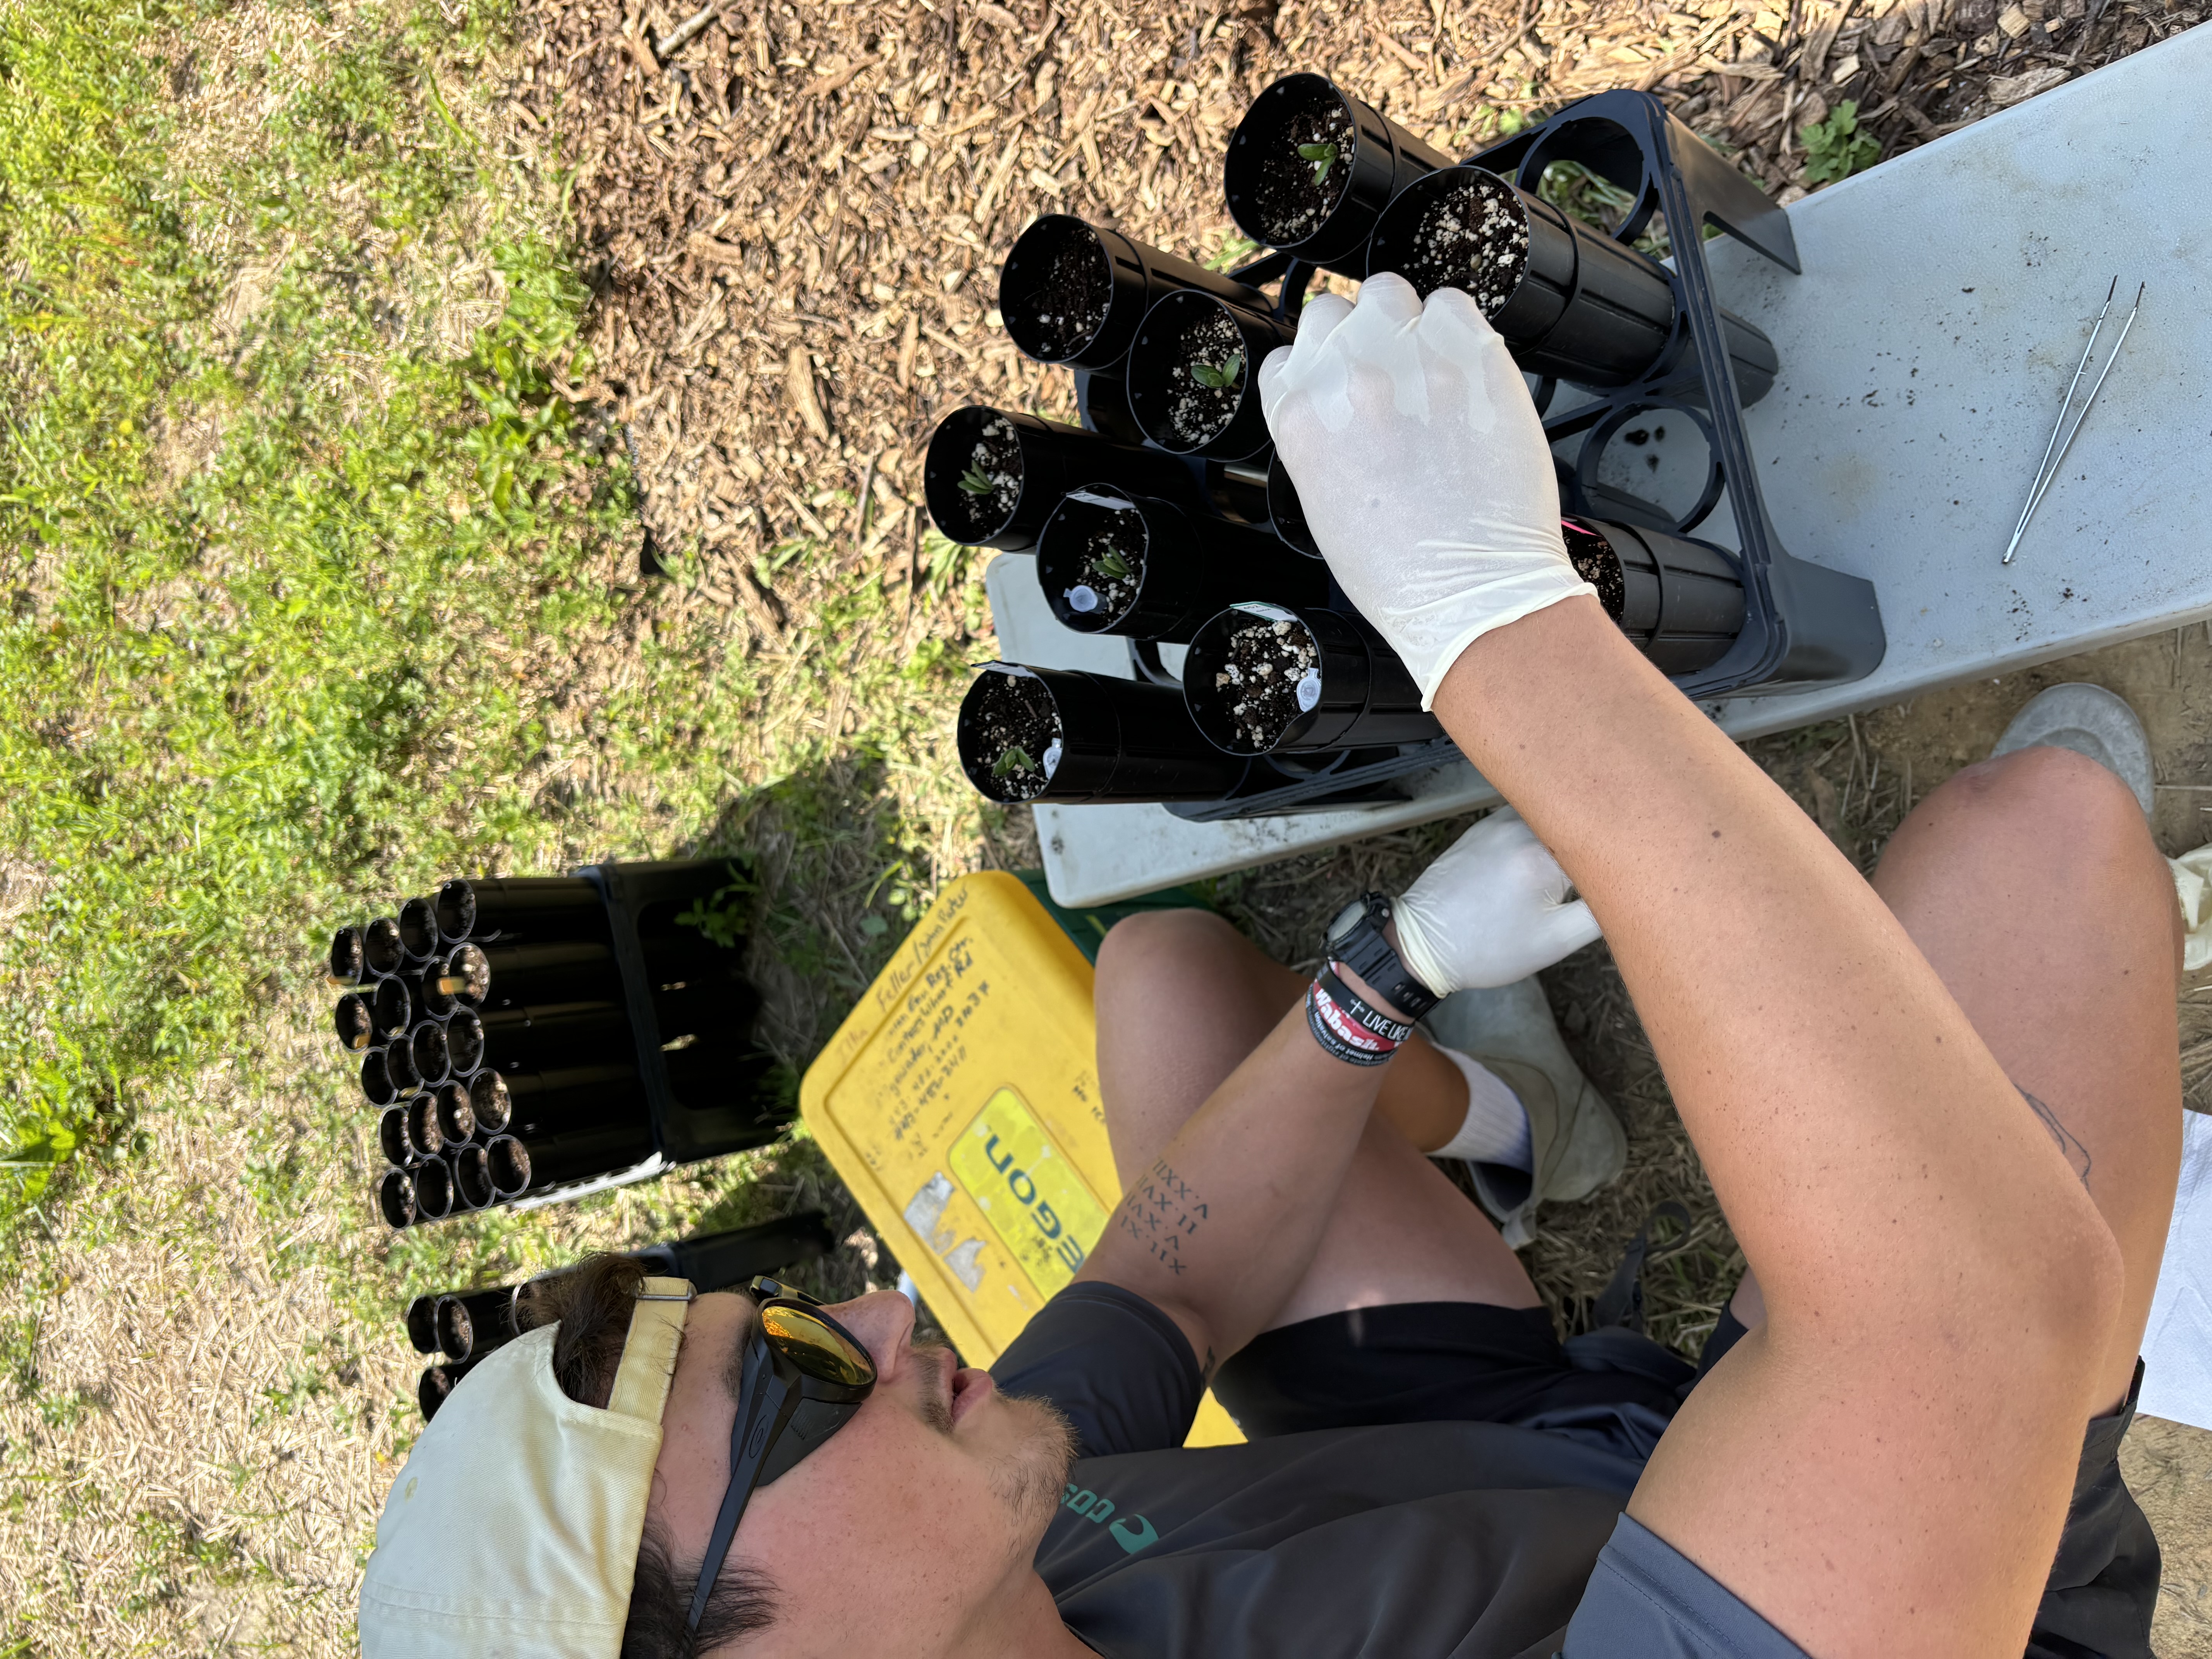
1422, 467
1491, 910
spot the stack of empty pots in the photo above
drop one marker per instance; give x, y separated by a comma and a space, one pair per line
467, 1326
1167, 519
520, 1035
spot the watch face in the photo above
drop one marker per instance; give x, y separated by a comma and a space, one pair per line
1347, 920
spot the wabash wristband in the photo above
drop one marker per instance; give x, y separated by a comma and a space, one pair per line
1346, 1027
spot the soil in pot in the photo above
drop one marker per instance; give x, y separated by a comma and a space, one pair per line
1273, 670
1205, 378
1068, 305
1596, 564
1308, 161
1113, 559
1473, 235
992, 484
1018, 735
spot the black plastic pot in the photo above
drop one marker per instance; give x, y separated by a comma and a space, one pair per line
393, 1007
1681, 602
542, 1035
426, 1048
714, 1262
395, 1198
1161, 385
1384, 159
355, 1021
1185, 569
549, 1102
578, 1110
455, 1112
391, 1138
1119, 279
472, 1170
723, 1074
434, 1191
1113, 741
514, 976
381, 952
1361, 694
520, 910
519, 1167
418, 930
422, 1324
346, 964
1571, 302
475, 1322
1286, 515
400, 1065
426, 1138
437, 1385
377, 1083
1036, 461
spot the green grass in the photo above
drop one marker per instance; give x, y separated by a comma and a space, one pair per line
225, 696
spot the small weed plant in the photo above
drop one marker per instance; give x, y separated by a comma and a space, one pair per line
1835, 147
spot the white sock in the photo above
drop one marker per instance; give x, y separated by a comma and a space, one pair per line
1496, 1127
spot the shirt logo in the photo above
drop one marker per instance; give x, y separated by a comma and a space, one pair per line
1135, 1534
1132, 1533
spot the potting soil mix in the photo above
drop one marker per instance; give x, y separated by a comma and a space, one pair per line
1273, 669
1596, 564
1020, 732
1113, 559
1472, 236
1199, 412
992, 484
1302, 173
1068, 305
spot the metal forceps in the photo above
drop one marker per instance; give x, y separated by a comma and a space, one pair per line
2046, 469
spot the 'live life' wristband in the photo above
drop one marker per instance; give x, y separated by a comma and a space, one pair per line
1346, 1027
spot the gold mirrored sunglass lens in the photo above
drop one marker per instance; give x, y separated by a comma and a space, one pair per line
816, 1347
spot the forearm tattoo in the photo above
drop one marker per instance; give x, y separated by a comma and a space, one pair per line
2076, 1154
1164, 1214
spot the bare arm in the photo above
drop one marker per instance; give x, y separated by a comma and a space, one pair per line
1884, 1467
1223, 1225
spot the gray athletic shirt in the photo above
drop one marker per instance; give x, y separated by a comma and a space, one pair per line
1407, 1540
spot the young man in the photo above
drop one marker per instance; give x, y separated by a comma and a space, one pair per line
1941, 1113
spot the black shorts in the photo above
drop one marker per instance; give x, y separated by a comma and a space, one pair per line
1464, 1361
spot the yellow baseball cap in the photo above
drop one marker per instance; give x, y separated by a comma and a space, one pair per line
512, 1531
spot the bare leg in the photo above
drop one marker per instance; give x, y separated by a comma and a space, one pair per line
2033, 886
1182, 999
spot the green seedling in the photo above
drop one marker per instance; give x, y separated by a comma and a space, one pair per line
1836, 148
1323, 157
976, 481
1214, 377
1114, 565
1016, 759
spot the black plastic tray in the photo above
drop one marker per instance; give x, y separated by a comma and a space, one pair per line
1803, 624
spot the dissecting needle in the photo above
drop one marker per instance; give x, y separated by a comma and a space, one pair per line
2047, 471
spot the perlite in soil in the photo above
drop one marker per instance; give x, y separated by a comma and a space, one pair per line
1473, 235
1270, 674
991, 484
1019, 732
1302, 173
1113, 560
1206, 379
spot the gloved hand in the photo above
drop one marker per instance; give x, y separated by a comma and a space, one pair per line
1491, 910
1422, 467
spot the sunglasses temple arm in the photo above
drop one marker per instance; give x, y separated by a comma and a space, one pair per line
745, 1474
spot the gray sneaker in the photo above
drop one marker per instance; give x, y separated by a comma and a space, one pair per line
2090, 720
1575, 1142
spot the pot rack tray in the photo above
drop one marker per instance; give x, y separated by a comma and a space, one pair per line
1944, 300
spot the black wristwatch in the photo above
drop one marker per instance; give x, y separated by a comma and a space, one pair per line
1355, 940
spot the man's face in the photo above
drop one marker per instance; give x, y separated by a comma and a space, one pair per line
904, 1526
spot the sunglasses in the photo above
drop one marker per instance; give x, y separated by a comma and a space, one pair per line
805, 1377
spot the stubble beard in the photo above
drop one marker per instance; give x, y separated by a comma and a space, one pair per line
1030, 1478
